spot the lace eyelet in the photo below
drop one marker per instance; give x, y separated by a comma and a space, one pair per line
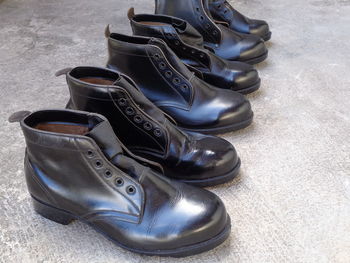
215, 32
156, 56
197, 9
193, 52
122, 101
207, 26
98, 163
177, 42
131, 190
119, 181
108, 173
90, 153
176, 81
162, 65
129, 111
201, 18
184, 87
218, 6
138, 119
148, 126
201, 55
168, 74
157, 132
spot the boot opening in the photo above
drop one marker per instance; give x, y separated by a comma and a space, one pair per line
93, 75
66, 122
98, 81
66, 128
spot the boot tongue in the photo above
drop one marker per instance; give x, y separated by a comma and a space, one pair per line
145, 104
189, 35
171, 57
104, 136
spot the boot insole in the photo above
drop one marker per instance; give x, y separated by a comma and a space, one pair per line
63, 127
98, 81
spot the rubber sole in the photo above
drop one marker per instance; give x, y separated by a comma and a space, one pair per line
256, 60
217, 179
63, 217
250, 89
224, 129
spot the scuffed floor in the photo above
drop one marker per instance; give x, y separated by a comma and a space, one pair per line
292, 200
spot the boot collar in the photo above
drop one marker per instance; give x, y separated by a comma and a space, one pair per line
120, 81
165, 25
179, 34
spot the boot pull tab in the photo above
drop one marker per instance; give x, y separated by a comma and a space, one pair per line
18, 116
64, 71
131, 13
107, 31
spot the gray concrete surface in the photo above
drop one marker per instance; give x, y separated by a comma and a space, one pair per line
291, 201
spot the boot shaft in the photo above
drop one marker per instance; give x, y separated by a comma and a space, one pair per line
195, 12
68, 158
156, 70
137, 122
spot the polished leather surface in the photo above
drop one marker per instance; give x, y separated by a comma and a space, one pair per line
68, 172
226, 43
187, 44
221, 10
166, 81
182, 155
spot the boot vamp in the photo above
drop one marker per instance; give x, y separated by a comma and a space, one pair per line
175, 215
211, 107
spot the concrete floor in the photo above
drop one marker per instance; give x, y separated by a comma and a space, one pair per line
292, 200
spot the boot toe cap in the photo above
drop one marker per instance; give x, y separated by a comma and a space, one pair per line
246, 80
215, 158
204, 221
260, 28
253, 51
239, 111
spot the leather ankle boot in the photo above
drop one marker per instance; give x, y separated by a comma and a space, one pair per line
193, 158
226, 43
76, 169
187, 44
194, 104
221, 10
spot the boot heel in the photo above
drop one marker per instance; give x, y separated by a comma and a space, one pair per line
51, 213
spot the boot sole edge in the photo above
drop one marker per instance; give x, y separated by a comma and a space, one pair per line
63, 217
217, 179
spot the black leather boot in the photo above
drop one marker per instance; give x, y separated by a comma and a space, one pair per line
187, 44
193, 158
76, 169
221, 10
226, 43
165, 80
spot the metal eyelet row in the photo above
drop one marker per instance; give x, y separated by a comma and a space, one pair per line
207, 26
184, 48
169, 74
130, 111
119, 181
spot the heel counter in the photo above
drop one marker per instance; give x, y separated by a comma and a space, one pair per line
35, 187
